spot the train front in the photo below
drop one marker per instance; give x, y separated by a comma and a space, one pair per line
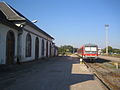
90, 52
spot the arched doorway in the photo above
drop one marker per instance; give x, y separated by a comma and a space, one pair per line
10, 47
47, 49
42, 50
36, 48
50, 49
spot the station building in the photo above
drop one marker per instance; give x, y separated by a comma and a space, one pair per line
20, 39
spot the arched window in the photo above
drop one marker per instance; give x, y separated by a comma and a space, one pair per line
42, 52
28, 45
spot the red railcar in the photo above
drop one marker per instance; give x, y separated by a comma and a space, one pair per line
88, 51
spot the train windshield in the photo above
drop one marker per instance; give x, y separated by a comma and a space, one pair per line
91, 50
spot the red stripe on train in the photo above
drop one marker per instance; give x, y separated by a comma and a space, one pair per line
90, 55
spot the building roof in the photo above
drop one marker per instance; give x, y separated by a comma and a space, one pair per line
9, 13
5, 22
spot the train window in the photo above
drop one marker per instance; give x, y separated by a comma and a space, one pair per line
93, 49
87, 48
90, 48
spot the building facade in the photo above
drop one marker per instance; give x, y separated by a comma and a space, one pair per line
20, 39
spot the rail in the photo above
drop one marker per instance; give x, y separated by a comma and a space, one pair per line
103, 80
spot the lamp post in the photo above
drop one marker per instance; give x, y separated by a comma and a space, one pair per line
106, 28
34, 21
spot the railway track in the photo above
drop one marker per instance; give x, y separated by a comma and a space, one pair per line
103, 73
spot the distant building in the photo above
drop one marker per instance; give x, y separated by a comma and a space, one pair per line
20, 39
99, 51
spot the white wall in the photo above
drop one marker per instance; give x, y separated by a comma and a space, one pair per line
20, 49
33, 33
40, 47
23, 45
29, 28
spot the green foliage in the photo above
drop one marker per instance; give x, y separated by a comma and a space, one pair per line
103, 51
111, 50
116, 51
75, 50
66, 49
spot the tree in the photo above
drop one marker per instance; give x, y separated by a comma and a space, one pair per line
110, 50
75, 50
65, 49
117, 51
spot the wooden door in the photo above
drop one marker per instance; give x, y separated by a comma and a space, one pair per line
36, 48
42, 50
10, 47
50, 49
47, 49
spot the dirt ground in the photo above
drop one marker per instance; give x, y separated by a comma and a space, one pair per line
58, 73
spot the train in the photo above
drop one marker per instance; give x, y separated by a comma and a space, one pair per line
88, 51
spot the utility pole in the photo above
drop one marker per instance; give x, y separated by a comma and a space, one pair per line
106, 29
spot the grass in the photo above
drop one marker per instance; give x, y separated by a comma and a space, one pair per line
113, 55
112, 65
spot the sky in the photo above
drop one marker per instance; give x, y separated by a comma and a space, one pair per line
74, 22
